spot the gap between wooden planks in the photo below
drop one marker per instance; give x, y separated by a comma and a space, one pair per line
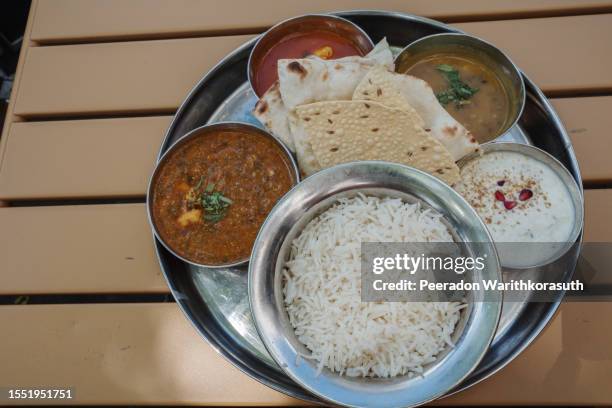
102, 158
109, 248
96, 20
149, 354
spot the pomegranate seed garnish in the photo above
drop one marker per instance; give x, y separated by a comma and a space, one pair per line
501, 182
525, 194
509, 204
499, 196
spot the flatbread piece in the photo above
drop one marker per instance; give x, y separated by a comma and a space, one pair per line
394, 90
272, 113
312, 79
344, 131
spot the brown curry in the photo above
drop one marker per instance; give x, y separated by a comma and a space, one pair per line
469, 90
213, 193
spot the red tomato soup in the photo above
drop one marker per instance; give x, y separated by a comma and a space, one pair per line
321, 43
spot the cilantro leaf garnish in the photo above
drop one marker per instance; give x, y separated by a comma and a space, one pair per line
213, 203
458, 92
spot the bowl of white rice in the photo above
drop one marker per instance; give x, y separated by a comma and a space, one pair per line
305, 288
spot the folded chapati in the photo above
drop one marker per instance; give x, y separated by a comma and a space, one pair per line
344, 131
395, 90
314, 79
272, 113
342, 75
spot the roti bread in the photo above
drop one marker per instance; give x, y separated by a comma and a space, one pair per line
393, 89
314, 79
344, 131
272, 113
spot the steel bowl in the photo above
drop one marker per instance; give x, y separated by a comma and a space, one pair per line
306, 23
199, 132
314, 195
509, 253
484, 52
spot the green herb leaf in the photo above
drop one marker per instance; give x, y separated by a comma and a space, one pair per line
226, 200
197, 187
458, 92
214, 204
445, 68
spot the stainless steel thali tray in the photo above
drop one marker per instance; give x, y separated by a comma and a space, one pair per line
216, 300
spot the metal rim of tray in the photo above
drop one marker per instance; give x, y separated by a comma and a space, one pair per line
199, 106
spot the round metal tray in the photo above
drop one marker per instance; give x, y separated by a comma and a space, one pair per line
216, 300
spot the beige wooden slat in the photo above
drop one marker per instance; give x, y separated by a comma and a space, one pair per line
120, 354
134, 77
81, 158
78, 249
149, 354
109, 248
560, 54
588, 123
114, 157
93, 20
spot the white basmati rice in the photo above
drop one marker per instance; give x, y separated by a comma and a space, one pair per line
322, 291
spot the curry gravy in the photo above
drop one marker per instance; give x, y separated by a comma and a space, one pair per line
487, 112
214, 192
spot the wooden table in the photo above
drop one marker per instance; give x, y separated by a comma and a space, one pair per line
97, 84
